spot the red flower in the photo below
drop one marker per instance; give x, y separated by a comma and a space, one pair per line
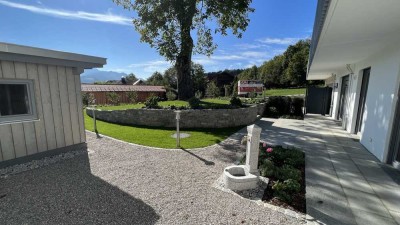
269, 150
264, 144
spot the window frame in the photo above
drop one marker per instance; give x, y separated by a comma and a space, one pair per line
31, 98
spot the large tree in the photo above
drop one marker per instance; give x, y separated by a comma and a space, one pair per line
167, 25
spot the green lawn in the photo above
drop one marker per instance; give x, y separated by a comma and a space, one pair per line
283, 92
160, 137
206, 103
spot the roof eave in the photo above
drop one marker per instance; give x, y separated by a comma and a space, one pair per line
322, 11
28, 54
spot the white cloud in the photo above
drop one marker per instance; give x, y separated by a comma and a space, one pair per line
247, 46
152, 66
78, 15
279, 41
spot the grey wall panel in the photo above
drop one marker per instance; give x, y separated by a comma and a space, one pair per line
64, 98
73, 106
80, 107
56, 105
47, 107
40, 131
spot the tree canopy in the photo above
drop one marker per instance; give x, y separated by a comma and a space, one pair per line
167, 26
285, 70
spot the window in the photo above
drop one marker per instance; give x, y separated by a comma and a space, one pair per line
16, 100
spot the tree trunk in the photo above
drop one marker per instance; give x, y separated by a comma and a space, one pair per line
183, 67
183, 64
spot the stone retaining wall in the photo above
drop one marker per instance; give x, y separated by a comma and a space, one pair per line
199, 118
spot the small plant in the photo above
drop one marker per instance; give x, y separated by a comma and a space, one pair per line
267, 168
171, 96
235, 101
113, 98
287, 172
252, 95
132, 96
212, 90
88, 98
198, 94
152, 102
194, 103
286, 189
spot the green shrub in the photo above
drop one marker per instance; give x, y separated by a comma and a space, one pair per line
252, 95
171, 96
194, 103
294, 158
88, 99
152, 102
286, 189
287, 172
278, 106
113, 98
267, 168
235, 101
212, 90
198, 94
132, 96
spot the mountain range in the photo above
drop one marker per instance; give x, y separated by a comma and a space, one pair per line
90, 76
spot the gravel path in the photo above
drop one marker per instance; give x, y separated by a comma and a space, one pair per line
120, 183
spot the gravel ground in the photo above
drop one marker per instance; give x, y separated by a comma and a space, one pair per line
120, 183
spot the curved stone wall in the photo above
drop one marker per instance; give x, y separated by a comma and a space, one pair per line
199, 118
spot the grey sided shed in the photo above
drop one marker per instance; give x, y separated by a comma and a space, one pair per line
40, 101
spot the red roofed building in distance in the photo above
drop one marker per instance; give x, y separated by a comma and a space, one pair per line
143, 92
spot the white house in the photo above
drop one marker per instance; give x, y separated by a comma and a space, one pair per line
40, 101
356, 49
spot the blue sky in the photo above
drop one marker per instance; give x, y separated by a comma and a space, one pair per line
101, 28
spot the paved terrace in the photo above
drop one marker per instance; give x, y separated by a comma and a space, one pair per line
345, 183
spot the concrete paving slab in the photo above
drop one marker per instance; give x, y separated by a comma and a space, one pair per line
327, 204
396, 216
359, 151
368, 218
390, 195
376, 174
359, 184
344, 165
367, 202
363, 156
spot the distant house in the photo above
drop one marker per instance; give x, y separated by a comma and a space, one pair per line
221, 78
40, 102
100, 91
355, 49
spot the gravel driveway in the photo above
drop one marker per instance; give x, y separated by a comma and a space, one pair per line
120, 183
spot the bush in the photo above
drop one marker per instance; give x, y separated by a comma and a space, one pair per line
286, 189
132, 96
194, 103
113, 98
283, 106
88, 99
212, 90
252, 95
171, 96
152, 102
235, 101
287, 172
198, 94
267, 168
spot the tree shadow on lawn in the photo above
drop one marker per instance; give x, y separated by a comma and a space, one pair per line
68, 193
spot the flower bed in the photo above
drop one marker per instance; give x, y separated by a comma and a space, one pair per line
285, 169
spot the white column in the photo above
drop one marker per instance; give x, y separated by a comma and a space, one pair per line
253, 148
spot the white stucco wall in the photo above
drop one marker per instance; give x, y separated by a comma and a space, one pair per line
380, 101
